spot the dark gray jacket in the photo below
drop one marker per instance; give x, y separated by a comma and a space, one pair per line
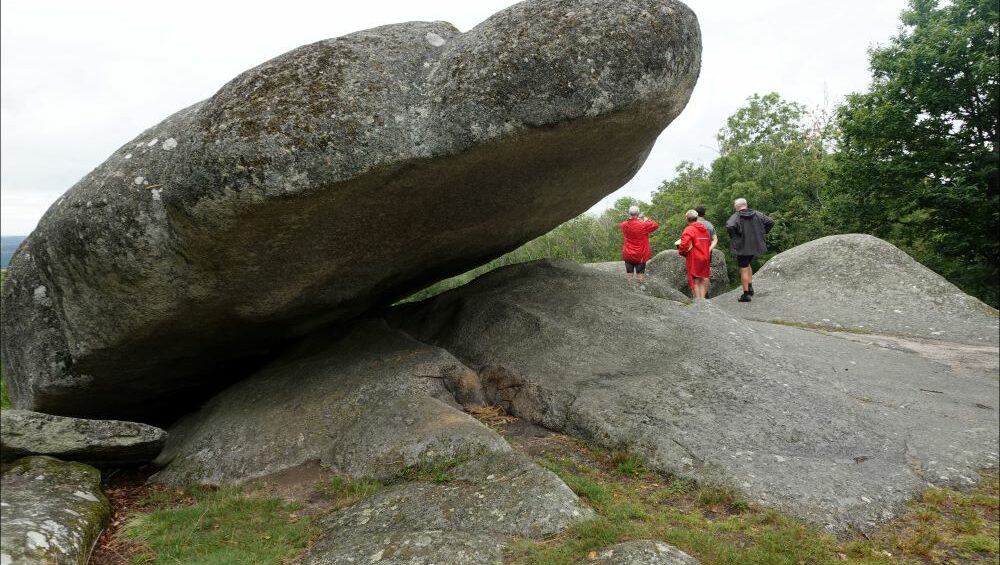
746, 231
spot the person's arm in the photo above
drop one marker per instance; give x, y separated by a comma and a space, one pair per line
651, 226
768, 222
686, 244
715, 241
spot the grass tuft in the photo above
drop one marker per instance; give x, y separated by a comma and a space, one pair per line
4, 399
438, 471
627, 463
344, 492
220, 527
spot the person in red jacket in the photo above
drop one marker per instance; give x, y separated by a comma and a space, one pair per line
636, 249
696, 246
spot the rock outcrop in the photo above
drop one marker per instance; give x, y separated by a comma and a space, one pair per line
860, 283
836, 432
671, 268
343, 174
102, 443
53, 512
653, 286
376, 404
368, 404
465, 521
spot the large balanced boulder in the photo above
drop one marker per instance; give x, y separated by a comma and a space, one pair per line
837, 432
367, 404
52, 512
466, 520
671, 268
103, 443
345, 173
860, 283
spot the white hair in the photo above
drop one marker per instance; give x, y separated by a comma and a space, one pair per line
691, 215
740, 203
633, 211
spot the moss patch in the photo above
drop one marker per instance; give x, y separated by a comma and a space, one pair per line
4, 399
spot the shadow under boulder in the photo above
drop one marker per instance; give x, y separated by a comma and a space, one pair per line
374, 403
367, 404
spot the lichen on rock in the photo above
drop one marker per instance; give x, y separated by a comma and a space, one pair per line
52, 512
95, 442
344, 174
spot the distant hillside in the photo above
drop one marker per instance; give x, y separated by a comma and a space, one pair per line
8, 244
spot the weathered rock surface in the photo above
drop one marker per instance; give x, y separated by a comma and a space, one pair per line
342, 174
95, 442
52, 512
467, 520
837, 432
653, 286
367, 404
671, 268
417, 547
646, 552
861, 283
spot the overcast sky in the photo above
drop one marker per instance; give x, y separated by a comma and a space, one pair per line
79, 79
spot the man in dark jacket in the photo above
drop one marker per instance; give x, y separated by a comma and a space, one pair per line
747, 228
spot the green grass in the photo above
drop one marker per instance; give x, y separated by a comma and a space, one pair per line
944, 526
343, 492
627, 463
711, 523
221, 527
438, 471
717, 525
4, 399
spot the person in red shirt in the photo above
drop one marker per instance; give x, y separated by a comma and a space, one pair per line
636, 249
695, 245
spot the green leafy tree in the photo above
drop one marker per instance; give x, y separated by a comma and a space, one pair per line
691, 187
775, 154
918, 161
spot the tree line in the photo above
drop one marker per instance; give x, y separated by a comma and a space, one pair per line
913, 161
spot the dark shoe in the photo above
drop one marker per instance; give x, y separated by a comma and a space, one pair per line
743, 298
750, 289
